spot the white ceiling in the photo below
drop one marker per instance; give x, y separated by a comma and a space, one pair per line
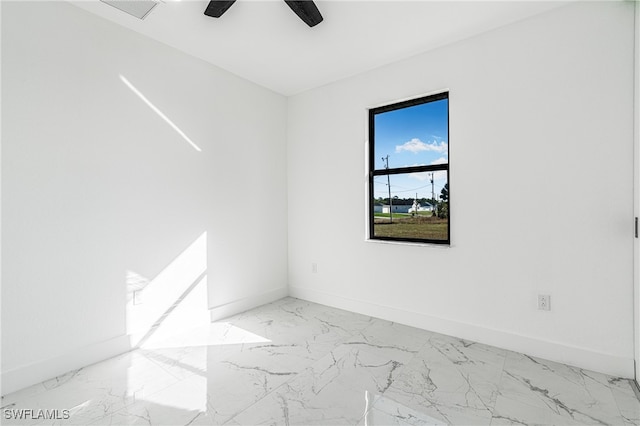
265, 42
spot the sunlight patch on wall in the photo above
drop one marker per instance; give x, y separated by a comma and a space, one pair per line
172, 302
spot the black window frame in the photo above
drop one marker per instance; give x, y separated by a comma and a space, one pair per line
373, 172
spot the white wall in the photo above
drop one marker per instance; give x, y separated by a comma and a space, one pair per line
541, 157
95, 184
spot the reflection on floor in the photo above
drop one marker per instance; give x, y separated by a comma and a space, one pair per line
297, 363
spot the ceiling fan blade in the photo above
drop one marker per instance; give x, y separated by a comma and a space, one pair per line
306, 10
217, 8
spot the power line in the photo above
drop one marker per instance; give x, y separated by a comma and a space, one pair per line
413, 189
399, 186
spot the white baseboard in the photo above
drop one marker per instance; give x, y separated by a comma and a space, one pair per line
31, 374
554, 351
241, 305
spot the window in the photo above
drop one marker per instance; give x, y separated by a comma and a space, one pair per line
409, 171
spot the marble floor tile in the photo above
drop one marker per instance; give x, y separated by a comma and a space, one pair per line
393, 340
385, 411
626, 399
513, 412
224, 390
337, 318
294, 362
294, 322
574, 394
234, 384
332, 391
92, 392
454, 380
446, 396
184, 403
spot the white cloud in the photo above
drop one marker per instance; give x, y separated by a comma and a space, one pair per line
438, 175
415, 145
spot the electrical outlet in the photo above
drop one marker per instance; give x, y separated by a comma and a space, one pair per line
544, 302
314, 268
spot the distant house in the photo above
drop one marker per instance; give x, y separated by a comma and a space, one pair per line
396, 208
426, 208
400, 208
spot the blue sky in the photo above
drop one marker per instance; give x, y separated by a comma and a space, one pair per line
412, 136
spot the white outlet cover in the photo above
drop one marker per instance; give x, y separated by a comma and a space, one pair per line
544, 302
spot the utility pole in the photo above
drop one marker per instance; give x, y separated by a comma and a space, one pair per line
433, 199
386, 166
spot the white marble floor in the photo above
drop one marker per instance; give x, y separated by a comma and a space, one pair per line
298, 363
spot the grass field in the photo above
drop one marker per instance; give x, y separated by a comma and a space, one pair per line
405, 226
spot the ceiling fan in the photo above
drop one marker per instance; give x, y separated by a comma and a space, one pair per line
305, 9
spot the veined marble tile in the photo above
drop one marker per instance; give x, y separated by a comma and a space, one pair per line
389, 339
626, 399
292, 329
334, 390
296, 356
465, 354
227, 388
239, 382
291, 323
385, 411
454, 364
95, 391
308, 310
448, 395
190, 352
184, 403
511, 412
228, 341
153, 414
346, 321
575, 394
